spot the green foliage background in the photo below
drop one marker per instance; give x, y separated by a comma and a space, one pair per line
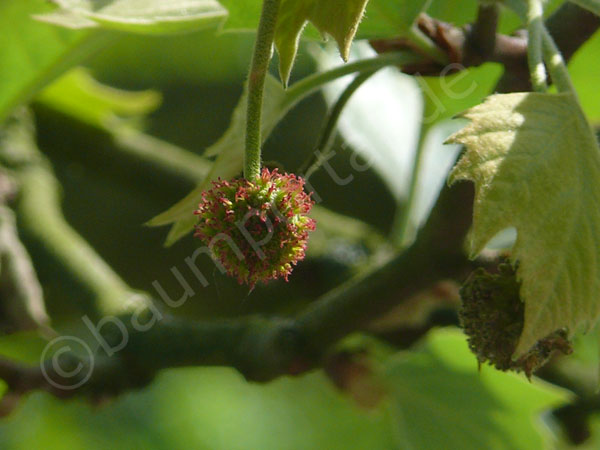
200, 77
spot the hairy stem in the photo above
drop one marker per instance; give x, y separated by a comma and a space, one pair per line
263, 49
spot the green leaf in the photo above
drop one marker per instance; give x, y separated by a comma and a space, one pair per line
389, 18
33, 54
24, 346
79, 95
441, 400
202, 408
583, 67
536, 166
447, 11
138, 16
243, 16
382, 18
337, 18
229, 150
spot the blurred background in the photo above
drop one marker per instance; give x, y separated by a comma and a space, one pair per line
197, 81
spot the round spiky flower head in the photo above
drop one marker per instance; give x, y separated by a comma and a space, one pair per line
257, 229
493, 315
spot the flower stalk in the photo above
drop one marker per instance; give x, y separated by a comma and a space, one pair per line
263, 50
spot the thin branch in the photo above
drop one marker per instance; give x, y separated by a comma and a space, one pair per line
535, 27
482, 36
43, 227
560, 27
21, 298
261, 349
557, 65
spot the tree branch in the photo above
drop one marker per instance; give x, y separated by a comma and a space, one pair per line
482, 34
466, 47
476, 44
261, 349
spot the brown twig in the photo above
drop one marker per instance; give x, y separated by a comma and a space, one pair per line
465, 47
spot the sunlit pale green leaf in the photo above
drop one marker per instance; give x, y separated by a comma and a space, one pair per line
441, 400
536, 164
140, 16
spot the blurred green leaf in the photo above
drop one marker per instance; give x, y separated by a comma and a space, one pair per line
447, 96
79, 95
389, 18
137, 16
584, 69
175, 59
33, 53
212, 409
449, 11
439, 400
25, 346
442, 400
243, 16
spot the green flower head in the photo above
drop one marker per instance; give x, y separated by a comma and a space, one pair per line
492, 316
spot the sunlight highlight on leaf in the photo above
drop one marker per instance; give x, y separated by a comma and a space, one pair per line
138, 16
